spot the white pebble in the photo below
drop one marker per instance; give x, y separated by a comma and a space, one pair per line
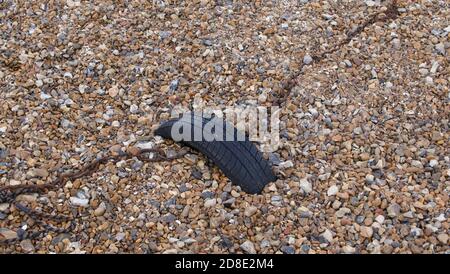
307, 59
433, 163
328, 235
146, 145
68, 75
248, 247
286, 164
370, 3
79, 202
45, 96
82, 88
434, 67
210, 202
370, 178
333, 190
305, 185
380, 219
134, 108
440, 48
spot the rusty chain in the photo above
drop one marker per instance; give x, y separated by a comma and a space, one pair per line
8, 194
390, 13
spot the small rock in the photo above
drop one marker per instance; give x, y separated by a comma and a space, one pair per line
82, 88
45, 96
164, 34
305, 248
39, 172
60, 238
332, 190
408, 214
274, 159
39, 83
120, 236
4, 206
336, 204
134, 109
235, 194
168, 218
357, 130
100, 210
248, 247
328, 235
79, 202
342, 212
133, 151
439, 218
416, 232
8, 234
145, 145
370, 178
288, 249
276, 200
250, 211
271, 218
370, 3
14, 183
307, 59
349, 249
207, 195
433, 163
174, 85
360, 219
443, 238
417, 164
197, 174
286, 164
313, 112
113, 91
27, 246
440, 48
27, 197
137, 165
72, 3
305, 185
210, 202
434, 67
380, 219
366, 231
396, 43
229, 202
393, 210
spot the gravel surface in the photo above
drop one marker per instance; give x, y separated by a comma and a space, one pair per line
366, 131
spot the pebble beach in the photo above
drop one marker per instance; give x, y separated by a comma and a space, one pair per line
363, 164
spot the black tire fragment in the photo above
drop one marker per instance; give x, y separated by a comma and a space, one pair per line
239, 160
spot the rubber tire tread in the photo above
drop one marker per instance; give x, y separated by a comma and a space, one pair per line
240, 161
